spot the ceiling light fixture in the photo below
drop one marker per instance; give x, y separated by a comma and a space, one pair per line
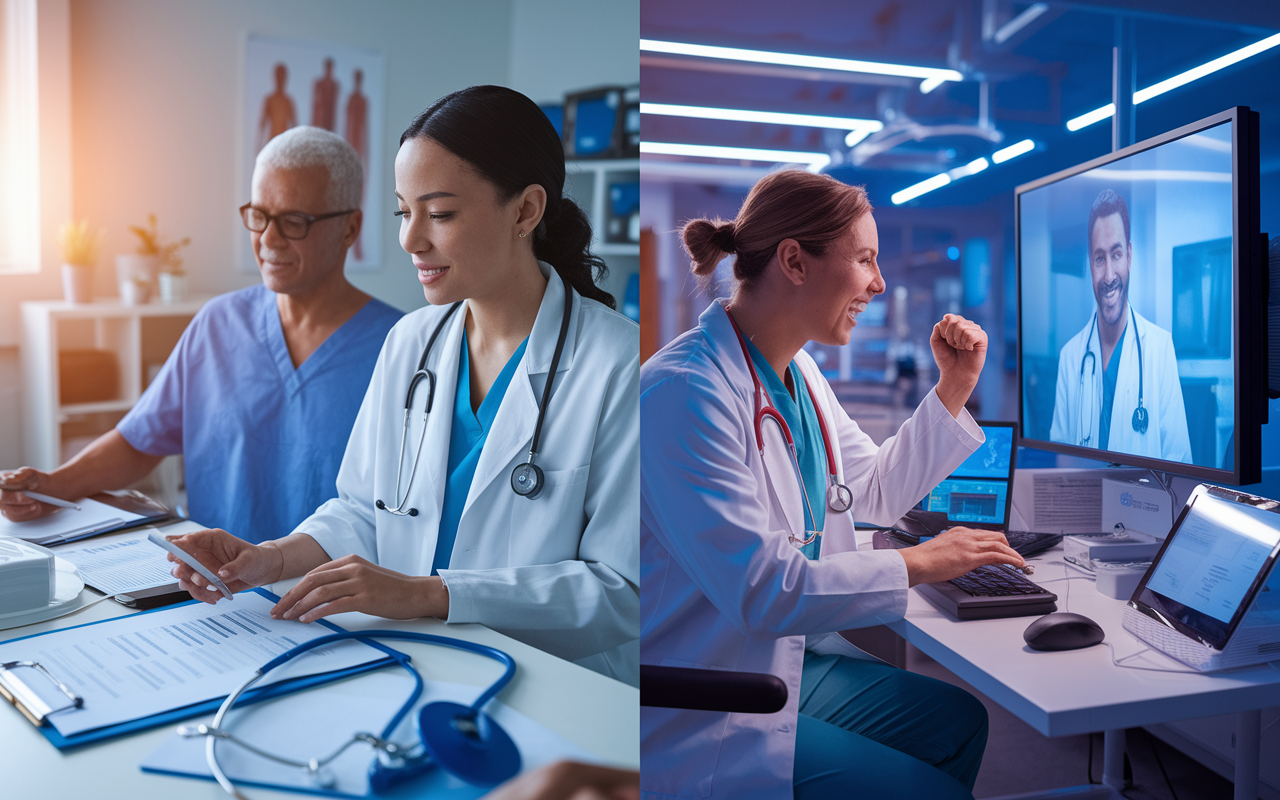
769, 117
815, 161
1181, 79
972, 168
796, 60
1019, 22
923, 187
1013, 151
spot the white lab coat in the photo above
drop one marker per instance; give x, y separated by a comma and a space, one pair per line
559, 572
1166, 437
722, 588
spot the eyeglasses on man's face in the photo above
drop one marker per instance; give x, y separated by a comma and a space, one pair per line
291, 224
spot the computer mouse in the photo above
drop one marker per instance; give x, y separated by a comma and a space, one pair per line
1062, 631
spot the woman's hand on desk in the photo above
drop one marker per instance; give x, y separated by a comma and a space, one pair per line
955, 552
352, 583
239, 564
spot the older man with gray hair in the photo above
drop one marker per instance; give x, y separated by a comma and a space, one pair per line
262, 390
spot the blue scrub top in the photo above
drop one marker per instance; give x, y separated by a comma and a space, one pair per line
466, 440
802, 419
1109, 377
262, 441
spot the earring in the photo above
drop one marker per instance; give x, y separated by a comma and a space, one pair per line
523, 234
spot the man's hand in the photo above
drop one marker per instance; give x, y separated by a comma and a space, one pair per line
353, 584
237, 563
955, 552
17, 506
960, 349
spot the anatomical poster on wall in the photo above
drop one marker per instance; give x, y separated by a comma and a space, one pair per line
288, 82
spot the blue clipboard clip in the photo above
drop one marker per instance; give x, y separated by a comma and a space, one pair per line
27, 700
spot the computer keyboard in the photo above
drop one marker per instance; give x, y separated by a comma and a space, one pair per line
990, 592
995, 581
1030, 543
1026, 543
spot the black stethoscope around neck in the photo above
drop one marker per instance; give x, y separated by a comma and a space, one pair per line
1140, 420
839, 497
527, 479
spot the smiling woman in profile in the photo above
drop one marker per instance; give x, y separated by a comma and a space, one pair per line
492, 475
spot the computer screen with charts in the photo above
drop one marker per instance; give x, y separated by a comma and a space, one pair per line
1142, 329
977, 493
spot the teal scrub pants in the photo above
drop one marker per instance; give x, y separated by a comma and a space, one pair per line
870, 730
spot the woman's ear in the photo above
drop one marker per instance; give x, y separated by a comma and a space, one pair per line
530, 206
791, 261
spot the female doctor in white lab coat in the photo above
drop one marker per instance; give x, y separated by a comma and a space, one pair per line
445, 533
732, 576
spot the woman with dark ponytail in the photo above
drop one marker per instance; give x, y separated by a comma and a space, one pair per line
513, 501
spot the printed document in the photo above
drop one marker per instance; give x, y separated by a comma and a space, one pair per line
126, 565
144, 664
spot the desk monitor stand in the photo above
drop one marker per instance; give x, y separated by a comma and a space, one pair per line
1256, 641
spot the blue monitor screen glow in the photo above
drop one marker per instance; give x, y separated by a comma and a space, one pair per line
1130, 267
977, 492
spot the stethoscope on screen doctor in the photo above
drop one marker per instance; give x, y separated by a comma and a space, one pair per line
526, 479
839, 497
462, 740
1140, 420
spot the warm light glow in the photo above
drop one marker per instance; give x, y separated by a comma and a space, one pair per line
796, 60
1013, 151
816, 161
769, 117
923, 187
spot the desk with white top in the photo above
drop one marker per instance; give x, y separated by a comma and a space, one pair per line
597, 713
1082, 691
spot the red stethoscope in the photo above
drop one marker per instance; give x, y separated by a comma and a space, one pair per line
839, 497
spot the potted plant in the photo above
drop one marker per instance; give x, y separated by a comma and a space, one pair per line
79, 248
143, 267
173, 278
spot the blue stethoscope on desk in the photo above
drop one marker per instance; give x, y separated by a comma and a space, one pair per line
527, 479
839, 497
462, 740
1140, 420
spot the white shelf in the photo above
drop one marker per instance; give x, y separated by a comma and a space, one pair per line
587, 182
94, 408
49, 327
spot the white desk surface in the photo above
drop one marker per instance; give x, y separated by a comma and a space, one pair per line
599, 714
1077, 691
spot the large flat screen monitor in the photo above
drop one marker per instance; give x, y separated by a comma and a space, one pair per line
1141, 310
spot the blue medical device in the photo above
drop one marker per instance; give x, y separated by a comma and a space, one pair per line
462, 740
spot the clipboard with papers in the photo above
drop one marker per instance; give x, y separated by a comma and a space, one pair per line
104, 512
108, 678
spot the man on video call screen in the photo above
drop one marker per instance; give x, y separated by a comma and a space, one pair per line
1127, 324
1130, 399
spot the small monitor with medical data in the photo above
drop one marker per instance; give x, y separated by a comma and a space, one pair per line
977, 492
1135, 283
1218, 555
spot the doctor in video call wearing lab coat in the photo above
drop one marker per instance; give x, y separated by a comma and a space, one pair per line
492, 475
1118, 386
748, 558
